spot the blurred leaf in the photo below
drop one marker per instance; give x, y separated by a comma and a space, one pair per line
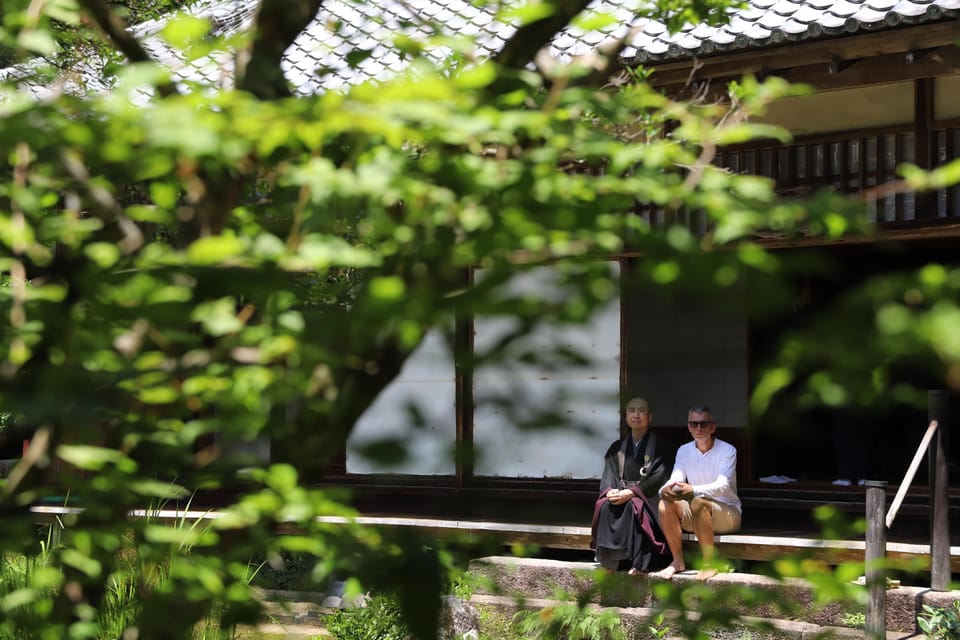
215, 249
89, 457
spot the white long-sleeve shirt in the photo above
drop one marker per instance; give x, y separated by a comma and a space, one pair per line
712, 474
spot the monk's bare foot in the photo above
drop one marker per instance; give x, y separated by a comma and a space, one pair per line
706, 574
634, 572
667, 572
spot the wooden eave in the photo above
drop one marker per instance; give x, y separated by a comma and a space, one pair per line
892, 55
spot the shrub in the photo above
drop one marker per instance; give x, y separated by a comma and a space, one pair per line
379, 618
940, 623
569, 621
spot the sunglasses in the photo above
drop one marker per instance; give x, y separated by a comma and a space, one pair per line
700, 424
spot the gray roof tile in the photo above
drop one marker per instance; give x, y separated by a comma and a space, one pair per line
869, 16
654, 28
807, 15
656, 47
723, 37
756, 32
881, 5
844, 8
910, 8
792, 27
832, 21
703, 31
771, 20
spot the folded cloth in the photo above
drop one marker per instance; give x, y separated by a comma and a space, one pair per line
777, 479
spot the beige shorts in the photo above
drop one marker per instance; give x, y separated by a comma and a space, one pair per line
725, 517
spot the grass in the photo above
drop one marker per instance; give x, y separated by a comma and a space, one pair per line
30, 583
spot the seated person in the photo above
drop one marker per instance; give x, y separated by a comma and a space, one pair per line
624, 518
701, 493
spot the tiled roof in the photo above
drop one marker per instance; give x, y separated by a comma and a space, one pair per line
317, 60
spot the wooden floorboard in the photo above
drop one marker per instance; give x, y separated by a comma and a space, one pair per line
752, 545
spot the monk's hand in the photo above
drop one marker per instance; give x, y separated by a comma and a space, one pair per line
617, 496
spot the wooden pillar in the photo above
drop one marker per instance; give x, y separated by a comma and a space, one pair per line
925, 144
463, 367
876, 551
938, 458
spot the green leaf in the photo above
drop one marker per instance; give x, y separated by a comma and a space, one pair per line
81, 562
38, 41
89, 457
185, 30
595, 21
18, 598
387, 288
281, 477
521, 14
215, 249
218, 317
356, 56
476, 77
157, 395
156, 489
179, 536
104, 254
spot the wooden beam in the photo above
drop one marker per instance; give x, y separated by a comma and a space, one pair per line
878, 70
886, 68
824, 51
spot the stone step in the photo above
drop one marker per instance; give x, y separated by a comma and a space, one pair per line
497, 615
274, 631
295, 613
745, 594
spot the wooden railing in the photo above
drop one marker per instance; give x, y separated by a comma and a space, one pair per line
853, 163
875, 556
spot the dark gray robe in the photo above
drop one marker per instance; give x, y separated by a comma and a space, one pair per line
631, 530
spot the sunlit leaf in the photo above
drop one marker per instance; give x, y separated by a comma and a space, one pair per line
214, 249
89, 457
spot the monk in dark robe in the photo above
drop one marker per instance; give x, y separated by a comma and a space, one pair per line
625, 530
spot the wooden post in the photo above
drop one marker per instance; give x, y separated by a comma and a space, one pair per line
876, 551
939, 494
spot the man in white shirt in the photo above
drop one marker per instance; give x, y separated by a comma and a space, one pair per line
701, 493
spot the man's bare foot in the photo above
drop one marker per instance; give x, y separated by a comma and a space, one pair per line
667, 572
634, 572
706, 574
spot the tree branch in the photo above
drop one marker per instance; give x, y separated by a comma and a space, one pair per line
116, 30
278, 24
522, 48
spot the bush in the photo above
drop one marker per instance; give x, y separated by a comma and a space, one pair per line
940, 623
569, 621
378, 619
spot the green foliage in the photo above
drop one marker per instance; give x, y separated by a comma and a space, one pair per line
285, 571
940, 623
194, 272
573, 621
23, 576
657, 627
379, 618
855, 620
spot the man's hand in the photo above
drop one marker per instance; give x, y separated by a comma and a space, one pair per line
619, 496
677, 491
